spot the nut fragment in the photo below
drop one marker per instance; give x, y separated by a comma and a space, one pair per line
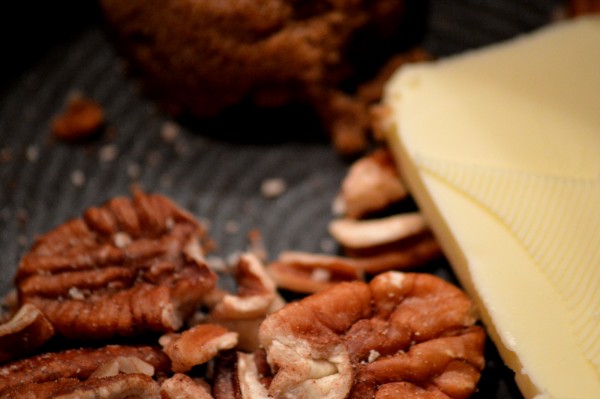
242, 375
122, 386
376, 233
129, 266
422, 328
197, 345
310, 273
81, 118
256, 297
256, 291
181, 386
26, 331
74, 363
371, 184
125, 365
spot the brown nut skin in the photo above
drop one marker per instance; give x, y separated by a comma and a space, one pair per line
122, 386
309, 273
196, 345
81, 119
74, 363
181, 386
353, 339
26, 331
127, 267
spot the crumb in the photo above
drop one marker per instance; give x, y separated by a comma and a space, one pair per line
32, 153
273, 187
169, 132
108, 153
81, 118
77, 178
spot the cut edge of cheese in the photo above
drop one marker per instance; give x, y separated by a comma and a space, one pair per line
526, 315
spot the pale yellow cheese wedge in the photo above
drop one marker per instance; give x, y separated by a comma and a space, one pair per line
501, 149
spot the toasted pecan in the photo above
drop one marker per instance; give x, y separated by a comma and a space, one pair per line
197, 345
81, 118
127, 267
352, 339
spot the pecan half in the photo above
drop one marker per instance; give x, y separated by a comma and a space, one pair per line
26, 331
129, 266
371, 185
397, 242
81, 118
79, 364
242, 375
122, 386
197, 345
355, 338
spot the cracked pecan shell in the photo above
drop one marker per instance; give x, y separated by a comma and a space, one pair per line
130, 266
353, 340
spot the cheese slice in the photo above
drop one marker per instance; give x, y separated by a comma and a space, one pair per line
501, 149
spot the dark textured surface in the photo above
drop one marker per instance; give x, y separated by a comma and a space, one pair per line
217, 179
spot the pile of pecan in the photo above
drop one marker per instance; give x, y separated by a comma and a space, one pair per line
121, 303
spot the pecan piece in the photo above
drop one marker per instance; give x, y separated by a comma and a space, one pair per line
26, 331
81, 119
310, 273
371, 185
397, 242
353, 339
127, 267
197, 345
256, 297
122, 386
79, 364
371, 234
181, 386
